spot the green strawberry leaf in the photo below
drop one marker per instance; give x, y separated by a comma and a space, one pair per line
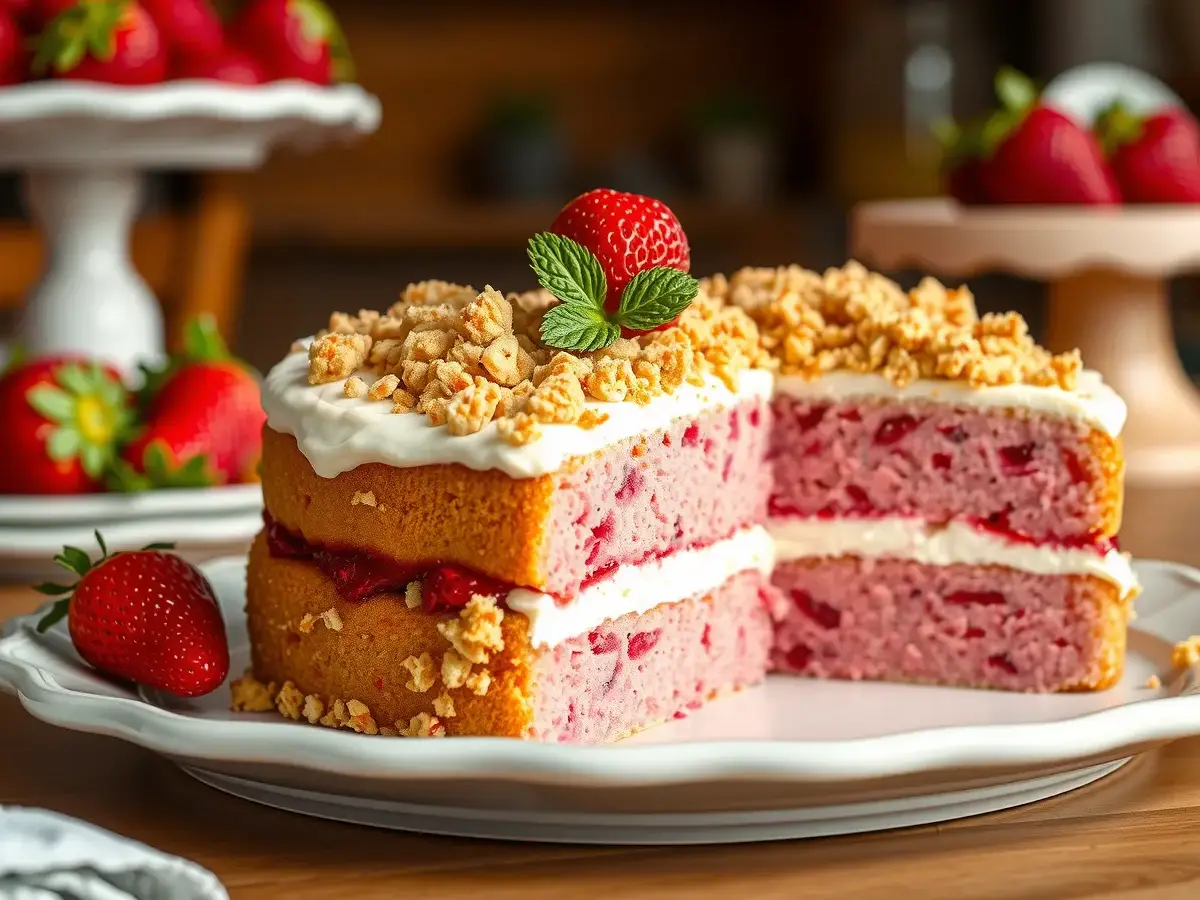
1015, 91
100, 542
57, 613
64, 444
123, 478
161, 548
74, 560
568, 271
18, 355
319, 25
51, 589
94, 459
655, 297
573, 326
74, 379
53, 403
202, 340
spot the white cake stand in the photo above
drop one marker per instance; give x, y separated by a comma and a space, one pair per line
1106, 271
83, 148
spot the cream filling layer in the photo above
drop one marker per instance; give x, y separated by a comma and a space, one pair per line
1092, 402
953, 544
638, 589
336, 433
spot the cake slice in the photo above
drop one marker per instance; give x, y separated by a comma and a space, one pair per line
946, 495
470, 532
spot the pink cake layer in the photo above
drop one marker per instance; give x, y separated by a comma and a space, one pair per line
1037, 477
981, 626
688, 485
644, 669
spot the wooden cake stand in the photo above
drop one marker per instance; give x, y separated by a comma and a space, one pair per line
1106, 271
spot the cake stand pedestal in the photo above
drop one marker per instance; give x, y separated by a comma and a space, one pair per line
84, 149
1106, 272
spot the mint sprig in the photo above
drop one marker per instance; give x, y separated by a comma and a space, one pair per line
573, 274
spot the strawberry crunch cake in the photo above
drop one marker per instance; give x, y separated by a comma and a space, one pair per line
575, 513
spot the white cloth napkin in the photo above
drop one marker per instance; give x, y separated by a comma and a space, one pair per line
46, 856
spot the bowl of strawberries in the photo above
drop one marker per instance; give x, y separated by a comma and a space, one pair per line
175, 460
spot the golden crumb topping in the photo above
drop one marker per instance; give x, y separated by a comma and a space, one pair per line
1186, 653
859, 321
465, 358
476, 631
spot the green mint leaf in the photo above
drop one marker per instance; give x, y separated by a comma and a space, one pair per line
655, 297
568, 271
57, 613
572, 326
51, 589
53, 403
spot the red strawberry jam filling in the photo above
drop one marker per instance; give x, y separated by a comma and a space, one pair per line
360, 574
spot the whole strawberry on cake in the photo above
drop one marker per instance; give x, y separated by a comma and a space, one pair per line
493, 514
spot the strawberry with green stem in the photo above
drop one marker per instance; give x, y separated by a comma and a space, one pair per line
1156, 156
111, 41
294, 39
64, 418
202, 420
146, 616
1034, 154
618, 263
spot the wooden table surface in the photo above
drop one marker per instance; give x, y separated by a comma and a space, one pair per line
1134, 835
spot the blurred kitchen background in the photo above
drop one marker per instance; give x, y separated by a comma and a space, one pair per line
761, 123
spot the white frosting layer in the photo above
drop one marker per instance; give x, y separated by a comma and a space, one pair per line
1092, 402
955, 543
638, 589
336, 433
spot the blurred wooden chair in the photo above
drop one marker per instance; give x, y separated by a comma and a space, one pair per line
193, 259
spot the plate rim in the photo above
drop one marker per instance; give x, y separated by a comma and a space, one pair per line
20, 510
1097, 735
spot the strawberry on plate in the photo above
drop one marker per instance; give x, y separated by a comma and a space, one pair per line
63, 418
294, 39
618, 265
146, 616
190, 28
111, 41
229, 65
1035, 154
1155, 157
202, 420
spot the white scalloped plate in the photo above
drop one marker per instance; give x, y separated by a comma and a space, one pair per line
188, 123
793, 758
101, 509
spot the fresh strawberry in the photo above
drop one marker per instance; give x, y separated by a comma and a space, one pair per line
627, 233
1038, 155
229, 66
112, 41
962, 162
294, 39
618, 264
190, 28
62, 420
203, 420
12, 51
1156, 158
146, 616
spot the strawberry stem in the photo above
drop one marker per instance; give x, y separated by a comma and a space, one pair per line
1117, 126
77, 561
1015, 91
